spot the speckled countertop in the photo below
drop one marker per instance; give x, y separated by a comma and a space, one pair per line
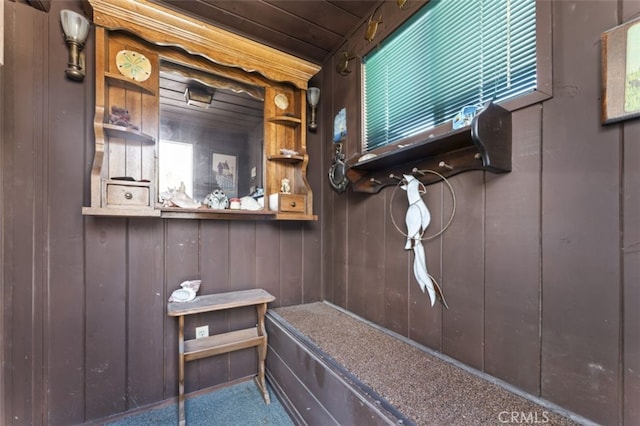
423, 387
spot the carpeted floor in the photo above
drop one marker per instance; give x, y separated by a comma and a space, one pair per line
237, 405
425, 388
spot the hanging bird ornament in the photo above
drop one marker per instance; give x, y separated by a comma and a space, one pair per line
417, 221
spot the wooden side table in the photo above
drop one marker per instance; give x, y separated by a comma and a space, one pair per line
193, 349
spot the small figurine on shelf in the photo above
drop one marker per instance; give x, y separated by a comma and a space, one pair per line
173, 197
217, 200
285, 186
187, 292
120, 117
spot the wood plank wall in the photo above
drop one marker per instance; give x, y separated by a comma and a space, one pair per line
540, 266
85, 331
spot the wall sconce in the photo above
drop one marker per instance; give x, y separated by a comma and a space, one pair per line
197, 98
76, 30
313, 97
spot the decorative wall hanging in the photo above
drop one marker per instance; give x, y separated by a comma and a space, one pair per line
621, 72
417, 220
281, 101
340, 126
225, 173
337, 172
133, 65
343, 63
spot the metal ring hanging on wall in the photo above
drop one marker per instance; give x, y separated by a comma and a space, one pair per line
453, 198
337, 177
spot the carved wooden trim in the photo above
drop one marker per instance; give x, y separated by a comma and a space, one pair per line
162, 26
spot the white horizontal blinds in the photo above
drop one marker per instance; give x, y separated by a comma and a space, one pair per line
450, 54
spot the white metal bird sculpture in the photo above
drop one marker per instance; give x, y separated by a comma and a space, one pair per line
417, 221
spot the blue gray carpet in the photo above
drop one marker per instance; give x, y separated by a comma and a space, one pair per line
240, 404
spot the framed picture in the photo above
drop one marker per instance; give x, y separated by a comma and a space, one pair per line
621, 72
225, 173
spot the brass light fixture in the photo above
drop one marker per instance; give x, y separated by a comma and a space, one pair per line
76, 30
313, 97
342, 67
372, 26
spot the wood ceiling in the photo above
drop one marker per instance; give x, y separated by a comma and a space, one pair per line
308, 29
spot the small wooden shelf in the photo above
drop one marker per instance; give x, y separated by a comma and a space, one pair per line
207, 213
119, 212
221, 343
286, 158
127, 133
296, 216
483, 145
286, 120
118, 80
194, 349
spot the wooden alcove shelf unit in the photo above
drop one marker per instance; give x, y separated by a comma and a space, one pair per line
125, 176
485, 144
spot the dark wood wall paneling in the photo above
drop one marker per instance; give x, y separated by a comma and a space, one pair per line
23, 329
580, 224
540, 266
84, 298
629, 296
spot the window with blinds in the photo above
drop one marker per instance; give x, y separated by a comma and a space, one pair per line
450, 54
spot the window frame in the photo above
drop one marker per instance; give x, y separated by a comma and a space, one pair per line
544, 76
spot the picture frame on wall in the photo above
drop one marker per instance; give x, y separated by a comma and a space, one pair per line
621, 72
225, 173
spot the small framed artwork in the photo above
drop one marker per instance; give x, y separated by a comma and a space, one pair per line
225, 174
621, 72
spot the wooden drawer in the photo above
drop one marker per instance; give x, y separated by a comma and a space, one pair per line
292, 203
127, 195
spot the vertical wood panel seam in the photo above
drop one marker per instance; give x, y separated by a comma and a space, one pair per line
44, 240
345, 272
2, 243
84, 318
484, 272
621, 262
165, 332
127, 317
621, 284
621, 235
442, 269
303, 281
540, 247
